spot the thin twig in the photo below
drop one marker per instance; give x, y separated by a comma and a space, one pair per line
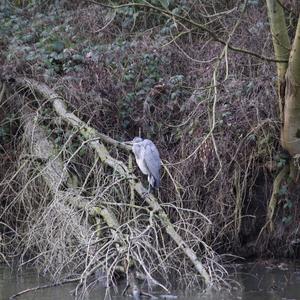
40, 287
193, 23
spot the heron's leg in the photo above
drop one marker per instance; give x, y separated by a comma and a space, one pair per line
146, 193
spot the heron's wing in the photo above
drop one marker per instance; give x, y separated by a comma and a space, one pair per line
138, 151
152, 160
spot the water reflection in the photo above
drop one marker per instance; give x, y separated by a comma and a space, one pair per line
259, 281
269, 280
14, 282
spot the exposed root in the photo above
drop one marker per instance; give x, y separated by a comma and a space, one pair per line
282, 175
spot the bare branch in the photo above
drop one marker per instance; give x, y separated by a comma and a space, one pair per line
194, 24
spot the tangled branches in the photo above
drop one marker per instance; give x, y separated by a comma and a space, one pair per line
95, 228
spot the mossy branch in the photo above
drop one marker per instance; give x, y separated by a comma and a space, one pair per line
54, 172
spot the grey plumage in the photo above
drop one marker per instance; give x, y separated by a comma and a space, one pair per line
148, 160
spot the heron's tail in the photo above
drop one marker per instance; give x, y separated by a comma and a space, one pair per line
154, 182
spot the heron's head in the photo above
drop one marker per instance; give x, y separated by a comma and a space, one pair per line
137, 140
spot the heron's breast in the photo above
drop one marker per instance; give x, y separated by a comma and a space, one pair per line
142, 165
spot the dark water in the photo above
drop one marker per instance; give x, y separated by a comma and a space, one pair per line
254, 281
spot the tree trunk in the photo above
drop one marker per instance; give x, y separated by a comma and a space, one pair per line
288, 94
281, 43
290, 138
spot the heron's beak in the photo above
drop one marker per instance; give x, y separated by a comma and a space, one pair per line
128, 143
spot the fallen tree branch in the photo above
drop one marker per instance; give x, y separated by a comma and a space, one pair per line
55, 173
90, 134
53, 170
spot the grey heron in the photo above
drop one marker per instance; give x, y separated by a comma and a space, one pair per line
148, 160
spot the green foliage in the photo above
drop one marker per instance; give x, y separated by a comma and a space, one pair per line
6, 128
287, 220
283, 190
141, 72
281, 160
56, 48
288, 204
4, 133
42, 42
130, 15
253, 2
